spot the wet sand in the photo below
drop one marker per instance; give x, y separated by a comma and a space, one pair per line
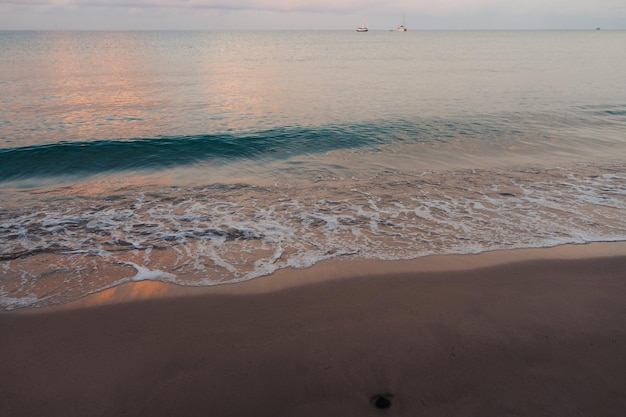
525, 333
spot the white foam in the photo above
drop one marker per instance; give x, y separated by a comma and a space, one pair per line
12, 303
234, 234
145, 274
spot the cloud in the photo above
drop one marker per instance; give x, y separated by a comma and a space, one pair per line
438, 7
322, 6
28, 2
292, 14
441, 7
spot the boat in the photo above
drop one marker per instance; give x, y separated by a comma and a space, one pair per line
402, 27
362, 29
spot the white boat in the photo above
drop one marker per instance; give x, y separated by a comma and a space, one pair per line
362, 29
402, 27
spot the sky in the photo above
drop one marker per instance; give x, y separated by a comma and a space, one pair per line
311, 14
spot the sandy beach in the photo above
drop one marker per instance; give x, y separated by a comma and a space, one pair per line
537, 332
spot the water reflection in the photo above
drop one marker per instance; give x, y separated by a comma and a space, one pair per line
91, 85
125, 293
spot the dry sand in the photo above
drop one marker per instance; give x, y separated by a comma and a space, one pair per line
512, 333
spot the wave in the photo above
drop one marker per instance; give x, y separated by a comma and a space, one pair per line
153, 154
60, 247
93, 157
86, 158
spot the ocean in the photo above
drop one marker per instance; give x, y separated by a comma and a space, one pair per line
212, 157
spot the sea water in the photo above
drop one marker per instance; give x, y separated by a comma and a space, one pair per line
203, 158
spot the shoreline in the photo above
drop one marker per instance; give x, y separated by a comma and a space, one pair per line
522, 332
335, 269
70, 251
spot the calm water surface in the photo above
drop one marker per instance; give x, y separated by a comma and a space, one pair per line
212, 157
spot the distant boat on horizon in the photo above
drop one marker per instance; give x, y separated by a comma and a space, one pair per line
362, 29
402, 27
